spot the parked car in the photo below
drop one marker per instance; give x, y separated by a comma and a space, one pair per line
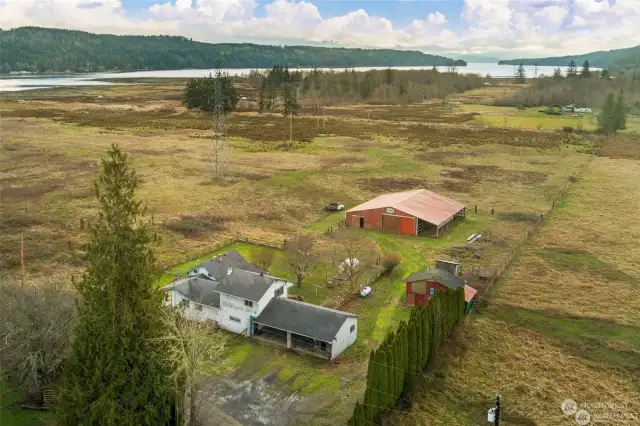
334, 207
365, 292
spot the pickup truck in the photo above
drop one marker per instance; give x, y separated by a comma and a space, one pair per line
334, 207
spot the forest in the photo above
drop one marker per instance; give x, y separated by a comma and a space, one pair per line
615, 60
43, 50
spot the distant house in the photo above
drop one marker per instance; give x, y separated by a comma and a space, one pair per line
417, 212
568, 108
445, 276
243, 299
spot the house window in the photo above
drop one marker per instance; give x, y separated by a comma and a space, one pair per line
198, 307
323, 346
248, 303
353, 327
279, 291
184, 303
234, 319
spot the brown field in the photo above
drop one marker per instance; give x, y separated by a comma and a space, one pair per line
568, 280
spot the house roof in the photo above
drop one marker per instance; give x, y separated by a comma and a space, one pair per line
426, 205
438, 275
246, 285
303, 318
198, 290
219, 265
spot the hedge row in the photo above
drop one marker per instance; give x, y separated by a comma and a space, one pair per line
395, 366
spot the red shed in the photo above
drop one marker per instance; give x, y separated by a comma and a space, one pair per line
410, 213
422, 285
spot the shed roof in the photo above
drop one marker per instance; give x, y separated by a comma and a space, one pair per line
303, 318
426, 205
219, 265
438, 275
246, 285
198, 290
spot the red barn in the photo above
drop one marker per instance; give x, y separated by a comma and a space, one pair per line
411, 213
422, 285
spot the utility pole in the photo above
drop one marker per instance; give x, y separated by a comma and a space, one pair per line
493, 414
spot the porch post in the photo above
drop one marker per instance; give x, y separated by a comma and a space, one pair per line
289, 339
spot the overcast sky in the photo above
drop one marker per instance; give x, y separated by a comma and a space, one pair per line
502, 28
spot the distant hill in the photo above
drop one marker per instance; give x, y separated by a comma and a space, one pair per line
479, 58
44, 49
614, 60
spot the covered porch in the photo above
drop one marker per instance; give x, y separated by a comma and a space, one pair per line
291, 340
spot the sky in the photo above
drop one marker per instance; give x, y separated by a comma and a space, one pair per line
498, 28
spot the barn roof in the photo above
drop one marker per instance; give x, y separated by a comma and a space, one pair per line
302, 318
426, 205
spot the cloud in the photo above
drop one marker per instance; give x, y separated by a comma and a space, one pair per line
436, 18
517, 27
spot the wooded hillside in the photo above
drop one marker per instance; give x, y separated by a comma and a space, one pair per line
41, 49
615, 60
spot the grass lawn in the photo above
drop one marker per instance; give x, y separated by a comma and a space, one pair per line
12, 415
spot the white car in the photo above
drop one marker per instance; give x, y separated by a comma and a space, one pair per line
334, 207
365, 292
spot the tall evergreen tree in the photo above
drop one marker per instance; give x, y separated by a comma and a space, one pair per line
606, 118
383, 381
572, 71
521, 75
586, 72
605, 74
391, 376
620, 112
426, 342
117, 372
557, 74
413, 350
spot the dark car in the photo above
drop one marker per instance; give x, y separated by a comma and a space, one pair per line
334, 207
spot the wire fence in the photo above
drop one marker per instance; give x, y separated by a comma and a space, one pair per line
263, 242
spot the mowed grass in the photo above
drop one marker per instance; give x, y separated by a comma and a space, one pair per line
563, 322
12, 415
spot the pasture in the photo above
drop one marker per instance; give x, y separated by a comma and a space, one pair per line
54, 140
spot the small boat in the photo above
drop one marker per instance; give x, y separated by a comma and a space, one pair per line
365, 292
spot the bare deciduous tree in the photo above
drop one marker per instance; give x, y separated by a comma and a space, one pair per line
34, 333
300, 258
352, 254
192, 345
263, 259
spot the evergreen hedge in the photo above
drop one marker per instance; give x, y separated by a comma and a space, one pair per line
396, 364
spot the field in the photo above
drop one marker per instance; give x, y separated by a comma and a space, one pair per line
562, 324
54, 140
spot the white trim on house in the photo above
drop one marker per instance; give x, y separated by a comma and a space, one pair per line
344, 337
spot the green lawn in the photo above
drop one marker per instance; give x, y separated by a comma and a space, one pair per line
12, 415
529, 118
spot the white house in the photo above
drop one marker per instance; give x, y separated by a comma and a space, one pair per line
249, 301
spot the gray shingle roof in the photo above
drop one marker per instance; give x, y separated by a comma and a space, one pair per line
218, 265
245, 284
309, 320
441, 276
198, 290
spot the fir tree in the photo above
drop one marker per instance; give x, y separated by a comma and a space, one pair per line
426, 343
586, 72
620, 113
117, 372
557, 74
572, 71
521, 75
606, 119
391, 376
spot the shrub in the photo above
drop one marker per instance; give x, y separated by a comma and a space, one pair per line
389, 262
263, 259
567, 129
191, 226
